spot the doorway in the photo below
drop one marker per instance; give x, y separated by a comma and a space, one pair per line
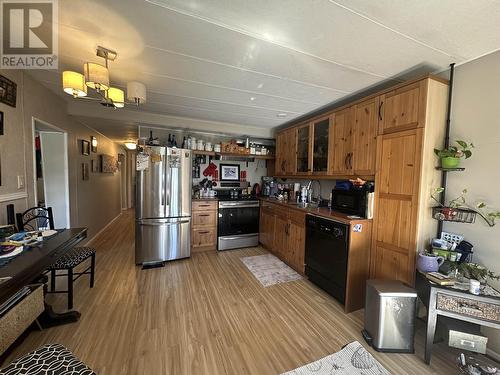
51, 175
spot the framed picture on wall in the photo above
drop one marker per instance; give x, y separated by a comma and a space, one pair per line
94, 165
229, 172
85, 171
85, 147
1, 123
108, 164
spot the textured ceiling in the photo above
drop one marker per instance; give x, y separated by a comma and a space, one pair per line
244, 62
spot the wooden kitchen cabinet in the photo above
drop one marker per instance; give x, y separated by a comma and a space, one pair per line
204, 225
267, 225
364, 134
406, 175
288, 236
286, 147
320, 145
304, 149
403, 108
341, 143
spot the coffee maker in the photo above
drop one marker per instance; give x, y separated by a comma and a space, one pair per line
269, 186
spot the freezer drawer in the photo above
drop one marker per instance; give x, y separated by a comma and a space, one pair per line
162, 240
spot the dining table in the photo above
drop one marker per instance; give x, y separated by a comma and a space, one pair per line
29, 266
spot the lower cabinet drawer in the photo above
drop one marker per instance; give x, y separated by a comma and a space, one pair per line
204, 205
208, 218
20, 316
204, 237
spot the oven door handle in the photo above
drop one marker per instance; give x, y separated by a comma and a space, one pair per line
238, 205
239, 236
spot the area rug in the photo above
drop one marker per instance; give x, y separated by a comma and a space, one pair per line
269, 270
352, 360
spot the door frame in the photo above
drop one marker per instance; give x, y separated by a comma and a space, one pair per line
56, 129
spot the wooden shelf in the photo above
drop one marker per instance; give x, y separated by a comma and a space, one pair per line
200, 152
249, 156
460, 169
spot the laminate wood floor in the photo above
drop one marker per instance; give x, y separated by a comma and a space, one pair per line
206, 315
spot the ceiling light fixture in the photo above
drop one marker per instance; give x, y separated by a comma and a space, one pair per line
136, 92
131, 145
96, 77
252, 98
281, 115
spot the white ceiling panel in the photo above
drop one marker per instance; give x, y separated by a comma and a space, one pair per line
331, 32
464, 28
243, 62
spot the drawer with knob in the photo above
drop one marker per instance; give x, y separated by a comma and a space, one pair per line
205, 218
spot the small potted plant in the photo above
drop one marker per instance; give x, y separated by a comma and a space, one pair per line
450, 156
475, 271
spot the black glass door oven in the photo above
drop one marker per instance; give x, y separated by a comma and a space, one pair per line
238, 224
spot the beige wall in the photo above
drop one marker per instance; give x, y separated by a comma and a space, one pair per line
476, 118
93, 203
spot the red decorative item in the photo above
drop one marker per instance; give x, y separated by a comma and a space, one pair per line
210, 170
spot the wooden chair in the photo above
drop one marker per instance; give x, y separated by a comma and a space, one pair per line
41, 218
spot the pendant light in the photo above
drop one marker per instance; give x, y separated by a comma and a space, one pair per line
74, 84
96, 76
136, 92
117, 96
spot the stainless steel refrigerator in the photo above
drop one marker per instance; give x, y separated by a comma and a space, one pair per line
163, 204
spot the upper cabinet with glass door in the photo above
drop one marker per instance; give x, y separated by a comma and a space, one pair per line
304, 159
321, 132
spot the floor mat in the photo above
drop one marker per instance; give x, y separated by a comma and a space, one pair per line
352, 360
269, 270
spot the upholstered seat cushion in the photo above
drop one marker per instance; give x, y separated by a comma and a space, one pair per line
72, 258
52, 359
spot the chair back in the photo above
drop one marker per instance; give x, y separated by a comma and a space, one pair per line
35, 218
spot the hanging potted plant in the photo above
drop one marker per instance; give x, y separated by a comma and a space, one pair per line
450, 156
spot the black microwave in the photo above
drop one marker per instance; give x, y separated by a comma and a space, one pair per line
352, 201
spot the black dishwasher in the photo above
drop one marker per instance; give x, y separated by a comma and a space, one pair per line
326, 255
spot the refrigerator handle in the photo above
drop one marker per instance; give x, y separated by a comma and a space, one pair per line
159, 224
168, 171
163, 186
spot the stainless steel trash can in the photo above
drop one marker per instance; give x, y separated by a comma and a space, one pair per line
390, 311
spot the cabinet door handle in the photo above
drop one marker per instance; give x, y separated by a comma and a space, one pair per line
345, 161
204, 232
204, 215
350, 160
380, 110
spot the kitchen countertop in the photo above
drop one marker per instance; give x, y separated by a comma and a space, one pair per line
320, 211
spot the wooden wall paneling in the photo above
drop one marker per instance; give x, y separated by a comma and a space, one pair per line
365, 129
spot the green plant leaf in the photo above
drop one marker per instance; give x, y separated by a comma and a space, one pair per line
481, 205
462, 143
467, 154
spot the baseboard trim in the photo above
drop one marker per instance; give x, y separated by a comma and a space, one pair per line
103, 229
13, 196
492, 354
